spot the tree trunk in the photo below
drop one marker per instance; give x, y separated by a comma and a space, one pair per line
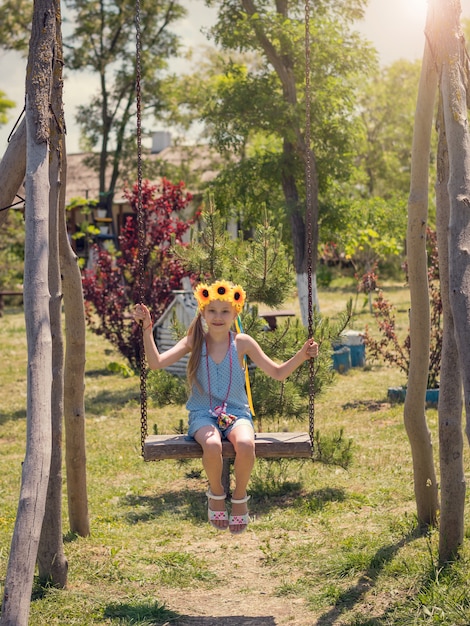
74, 380
300, 235
52, 563
282, 65
36, 468
51, 559
451, 523
425, 483
12, 169
35, 476
453, 62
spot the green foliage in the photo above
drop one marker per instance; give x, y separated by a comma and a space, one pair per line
122, 368
263, 64
164, 388
5, 104
16, 17
273, 477
334, 450
366, 232
260, 263
394, 350
278, 403
12, 238
143, 613
102, 42
85, 229
387, 104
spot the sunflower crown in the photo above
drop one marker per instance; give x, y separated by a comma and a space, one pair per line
220, 290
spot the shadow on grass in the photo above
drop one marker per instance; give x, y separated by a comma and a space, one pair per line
103, 371
192, 505
15, 415
351, 596
147, 613
227, 620
186, 504
101, 402
144, 613
292, 494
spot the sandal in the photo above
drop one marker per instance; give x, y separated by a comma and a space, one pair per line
216, 516
239, 520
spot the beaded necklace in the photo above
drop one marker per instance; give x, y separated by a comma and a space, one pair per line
224, 420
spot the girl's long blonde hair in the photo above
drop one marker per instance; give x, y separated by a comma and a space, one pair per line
196, 330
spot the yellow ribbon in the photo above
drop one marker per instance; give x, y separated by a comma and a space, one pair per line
239, 327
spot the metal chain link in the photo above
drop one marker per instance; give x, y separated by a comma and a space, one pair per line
308, 177
140, 226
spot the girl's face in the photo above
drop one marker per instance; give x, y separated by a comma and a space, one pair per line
219, 315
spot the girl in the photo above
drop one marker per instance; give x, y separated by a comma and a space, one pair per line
218, 403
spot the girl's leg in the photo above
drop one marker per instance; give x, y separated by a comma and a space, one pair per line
211, 442
242, 438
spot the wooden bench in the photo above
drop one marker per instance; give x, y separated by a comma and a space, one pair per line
268, 446
8, 293
271, 317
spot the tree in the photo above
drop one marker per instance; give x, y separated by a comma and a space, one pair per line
273, 84
452, 473
451, 57
425, 482
15, 24
386, 105
52, 564
103, 42
12, 170
36, 468
112, 287
369, 231
39, 144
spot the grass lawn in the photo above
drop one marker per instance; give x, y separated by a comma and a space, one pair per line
327, 545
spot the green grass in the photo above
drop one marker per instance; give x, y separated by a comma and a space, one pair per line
340, 544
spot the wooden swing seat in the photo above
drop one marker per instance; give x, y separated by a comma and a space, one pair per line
267, 445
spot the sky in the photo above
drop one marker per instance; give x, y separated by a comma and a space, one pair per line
396, 29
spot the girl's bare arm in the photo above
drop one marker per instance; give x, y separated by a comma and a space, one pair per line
278, 371
158, 360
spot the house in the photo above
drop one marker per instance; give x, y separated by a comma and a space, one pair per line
181, 311
201, 161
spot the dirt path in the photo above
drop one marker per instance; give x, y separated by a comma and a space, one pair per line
247, 598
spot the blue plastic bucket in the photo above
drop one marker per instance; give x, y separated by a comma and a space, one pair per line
342, 360
358, 355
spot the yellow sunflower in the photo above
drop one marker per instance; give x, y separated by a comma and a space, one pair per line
238, 297
203, 295
221, 290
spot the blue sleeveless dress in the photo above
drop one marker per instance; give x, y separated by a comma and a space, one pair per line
218, 375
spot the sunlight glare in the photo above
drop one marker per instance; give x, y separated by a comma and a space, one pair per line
417, 8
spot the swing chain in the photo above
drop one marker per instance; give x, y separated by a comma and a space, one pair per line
140, 226
141, 223
308, 176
